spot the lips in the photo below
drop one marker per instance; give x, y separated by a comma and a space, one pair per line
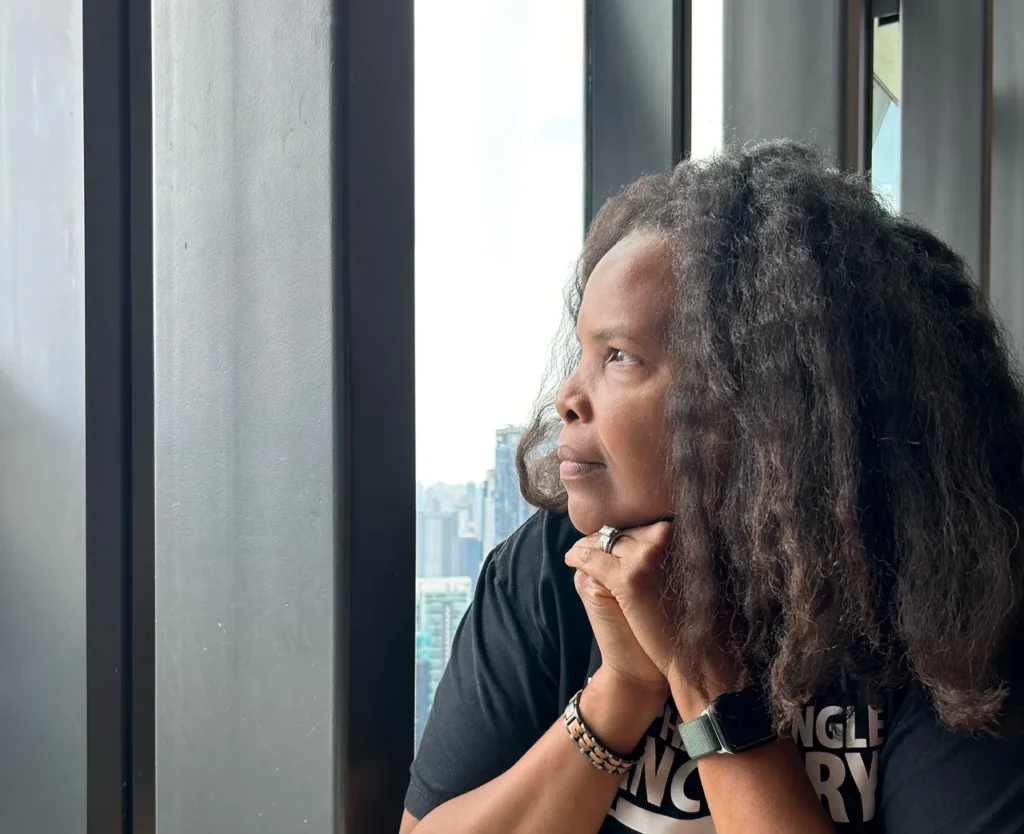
575, 464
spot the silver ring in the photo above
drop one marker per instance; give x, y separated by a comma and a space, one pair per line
607, 536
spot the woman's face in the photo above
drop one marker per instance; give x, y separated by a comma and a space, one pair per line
614, 442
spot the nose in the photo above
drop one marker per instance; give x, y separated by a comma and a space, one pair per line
572, 402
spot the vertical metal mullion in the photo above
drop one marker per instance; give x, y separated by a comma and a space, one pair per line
945, 111
865, 70
682, 77
142, 612
589, 209
374, 310
638, 102
107, 412
787, 73
1007, 170
986, 149
857, 38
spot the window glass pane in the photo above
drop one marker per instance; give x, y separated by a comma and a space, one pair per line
499, 221
885, 147
707, 90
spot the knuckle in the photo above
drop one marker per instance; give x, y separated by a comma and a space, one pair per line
661, 533
584, 553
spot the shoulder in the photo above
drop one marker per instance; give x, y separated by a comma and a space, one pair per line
534, 553
925, 763
526, 587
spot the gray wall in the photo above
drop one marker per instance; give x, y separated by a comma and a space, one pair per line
42, 421
244, 417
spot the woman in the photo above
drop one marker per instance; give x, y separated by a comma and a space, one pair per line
801, 413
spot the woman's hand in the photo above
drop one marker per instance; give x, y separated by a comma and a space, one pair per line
622, 594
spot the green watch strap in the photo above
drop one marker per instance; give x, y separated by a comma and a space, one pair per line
699, 737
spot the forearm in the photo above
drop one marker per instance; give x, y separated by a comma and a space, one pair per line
761, 791
553, 787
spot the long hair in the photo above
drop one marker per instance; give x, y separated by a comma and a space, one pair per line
848, 450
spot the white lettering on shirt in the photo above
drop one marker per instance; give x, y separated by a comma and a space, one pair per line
826, 772
654, 772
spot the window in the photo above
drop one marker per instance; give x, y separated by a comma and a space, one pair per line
499, 222
707, 93
885, 111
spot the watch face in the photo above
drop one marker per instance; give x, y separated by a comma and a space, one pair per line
742, 719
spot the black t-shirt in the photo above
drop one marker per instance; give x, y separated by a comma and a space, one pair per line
525, 647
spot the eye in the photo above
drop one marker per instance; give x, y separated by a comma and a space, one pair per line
617, 356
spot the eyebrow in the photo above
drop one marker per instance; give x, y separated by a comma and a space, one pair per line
612, 334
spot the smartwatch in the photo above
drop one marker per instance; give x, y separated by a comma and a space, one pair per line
735, 722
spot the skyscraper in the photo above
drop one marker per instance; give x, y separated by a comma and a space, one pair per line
510, 510
437, 543
470, 556
424, 692
487, 514
441, 603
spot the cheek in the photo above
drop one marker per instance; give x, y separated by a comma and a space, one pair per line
637, 443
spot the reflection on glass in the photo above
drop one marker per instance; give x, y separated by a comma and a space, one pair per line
885, 146
499, 221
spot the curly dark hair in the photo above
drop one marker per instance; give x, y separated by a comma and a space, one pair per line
848, 445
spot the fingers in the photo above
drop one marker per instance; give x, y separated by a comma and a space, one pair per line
635, 556
589, 588
603, 567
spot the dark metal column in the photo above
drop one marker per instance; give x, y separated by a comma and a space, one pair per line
638, 92
1006, 278
793, 68
376, 466
946, 136
108, 410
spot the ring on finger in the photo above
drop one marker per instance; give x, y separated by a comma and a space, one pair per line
607, 536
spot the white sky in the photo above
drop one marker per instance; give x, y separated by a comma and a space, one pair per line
499, 215
499, 207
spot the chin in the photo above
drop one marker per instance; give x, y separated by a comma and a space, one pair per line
585, 516
590, 516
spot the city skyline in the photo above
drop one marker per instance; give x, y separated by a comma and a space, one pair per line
457, 526
486, 509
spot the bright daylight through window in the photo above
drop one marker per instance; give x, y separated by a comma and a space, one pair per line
885, 112
499, 221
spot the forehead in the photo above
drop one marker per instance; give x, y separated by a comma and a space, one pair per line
631, 285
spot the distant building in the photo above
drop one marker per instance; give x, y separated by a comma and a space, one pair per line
441, 603
424, 693
488, 536
510, 510
469, 510
437, 544
471, 554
